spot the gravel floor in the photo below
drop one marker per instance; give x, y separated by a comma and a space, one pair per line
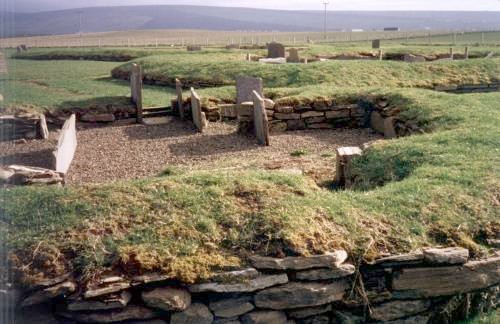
107, 153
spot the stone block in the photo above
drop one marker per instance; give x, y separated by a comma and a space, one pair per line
264, 317
399, 309
113, 302
49, 293
199, 118
344, 270
377, 122
295, 124
344, 113
315, 120
245, 86
66, 146
289, 116
312, 113
328, 260
129, 313
250, 285
43, 129
298, 295
232, 307
284, 109
343, 165
167, 298
196, 313
275, 50
451, 255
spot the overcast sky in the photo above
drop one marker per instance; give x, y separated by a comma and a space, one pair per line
490, 5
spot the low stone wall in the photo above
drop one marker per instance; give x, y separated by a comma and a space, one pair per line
433, 286
377, 113
470, 88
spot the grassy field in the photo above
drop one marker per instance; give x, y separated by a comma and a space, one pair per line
441, 187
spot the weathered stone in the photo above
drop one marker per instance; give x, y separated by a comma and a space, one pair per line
199, 118
344, 270
110, 289
428, 282
258, 283
343, 113
233, 307
315, 120
129, 313
264, 317
389, 130
44, 130
275, 50
278, 60
297, 295
400, 260
308, 312
22, 175
410, 58
168, 298
136, 89
291, 116
343, 173
196, 313
312, 113
97, 118
6, 175
284, 109
277, 126
45, 295
452, 255
149, 278
269, 104
399, 309
377, 122
245, 87
261, 124
115, 302
327, 260
66, 146
293, 56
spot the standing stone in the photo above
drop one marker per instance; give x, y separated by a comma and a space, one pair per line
66, 146
261, 124
466, 53
376, 43
180, 101
196, 313
136, 89
245, 86
199, 118
389, 129
344, 165
293, 55
44, 130
377, 122
168, 299
451, 53
275, 50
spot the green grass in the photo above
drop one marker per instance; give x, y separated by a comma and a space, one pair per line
437, 188
492, 318
206, 70
65, 84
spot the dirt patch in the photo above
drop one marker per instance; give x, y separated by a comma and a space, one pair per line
108, 153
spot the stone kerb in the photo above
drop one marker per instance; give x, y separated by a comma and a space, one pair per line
199, 118
261, 124
66, 146
136, 89
180, 100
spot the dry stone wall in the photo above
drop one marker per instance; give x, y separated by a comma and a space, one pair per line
433, 286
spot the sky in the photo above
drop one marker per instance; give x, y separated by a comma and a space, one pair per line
476, 5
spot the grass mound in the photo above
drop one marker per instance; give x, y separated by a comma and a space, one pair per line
203, 71
439, 188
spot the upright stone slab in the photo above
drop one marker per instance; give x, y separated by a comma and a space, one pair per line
293, 56
66, 146
136, 89
43, 129
376, 43
466, 53
275, 50
261, 123
245, 86
180, 100
343, 168
199, 118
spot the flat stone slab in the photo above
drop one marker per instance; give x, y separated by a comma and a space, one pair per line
452, 255
66, 146
232, 307
399, 309
130, 313
261, 282
280, 60
264, 317
399, 260
327, 260
344, 270
154, 121
109, 289
429, 282
113, 302
47, 294
196, 313
245, 86
311, 311
298, 295
167, 298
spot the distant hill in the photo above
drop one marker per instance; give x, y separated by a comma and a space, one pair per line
102, 19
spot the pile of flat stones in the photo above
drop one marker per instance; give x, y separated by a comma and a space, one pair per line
412, 288
19, 175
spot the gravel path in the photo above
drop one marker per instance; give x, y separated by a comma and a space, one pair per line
107, 153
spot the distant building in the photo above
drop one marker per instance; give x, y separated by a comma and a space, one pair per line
391, 28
